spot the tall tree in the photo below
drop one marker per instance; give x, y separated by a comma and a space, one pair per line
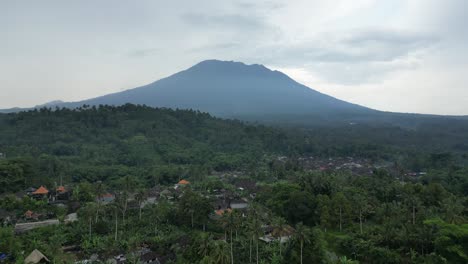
301, 235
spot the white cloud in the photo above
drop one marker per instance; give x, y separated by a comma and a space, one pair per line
399, 55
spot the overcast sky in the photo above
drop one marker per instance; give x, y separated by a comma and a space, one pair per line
396, 55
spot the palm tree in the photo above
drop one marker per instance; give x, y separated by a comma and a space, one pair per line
205, 244
279, 230
88, 213
301, 235
255, 228
99, 191
220, 252
228, 222
115, 208
140, 198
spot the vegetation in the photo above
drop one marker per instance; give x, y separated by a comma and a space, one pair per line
329, 216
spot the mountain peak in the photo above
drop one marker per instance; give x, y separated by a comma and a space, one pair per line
217, 66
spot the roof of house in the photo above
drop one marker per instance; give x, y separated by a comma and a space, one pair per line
31, 189
41, 190
61, 189
220, 212
36, 257
184, 182
150, 256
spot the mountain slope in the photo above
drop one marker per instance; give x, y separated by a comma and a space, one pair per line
248, 92
230, 89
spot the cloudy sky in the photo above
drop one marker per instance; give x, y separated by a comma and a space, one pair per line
396, 55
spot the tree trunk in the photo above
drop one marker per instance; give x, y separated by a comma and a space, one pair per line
116, 226
360, 220
140, 213
250, 250
90, 221
191, 217
232, 252
97, 215
340, 220
414, 214
280, 246
302, 245
257, 250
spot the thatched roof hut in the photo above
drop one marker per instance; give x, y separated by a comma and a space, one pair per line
36, 257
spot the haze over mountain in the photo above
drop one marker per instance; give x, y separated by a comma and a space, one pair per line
250, 92
229, 89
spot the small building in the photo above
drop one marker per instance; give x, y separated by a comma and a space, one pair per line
106, 198
238, 204
219, 213
167, 194
36, 257
6, 217
40, 193
30, 215
30, 191
70, 218
181, 183
61, 189
150, 258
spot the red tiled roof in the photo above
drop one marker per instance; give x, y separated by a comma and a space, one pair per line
183, 182
41, 190
220, 212
61, 189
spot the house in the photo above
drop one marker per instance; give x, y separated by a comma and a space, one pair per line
36, 257
40, 193
181, 183
150, 258
30, 191
271, 234
5, 217
61, 193
60, 189
30, 215
106, 198
238, 204
219, 213
167, 194
73, 217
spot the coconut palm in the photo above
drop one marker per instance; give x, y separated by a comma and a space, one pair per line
88, 212
205, 244
254, 228
114, 209
140, 198
301, 235
220, 252
279, 230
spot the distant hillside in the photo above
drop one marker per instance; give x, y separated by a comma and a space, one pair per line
248, 92
109, 142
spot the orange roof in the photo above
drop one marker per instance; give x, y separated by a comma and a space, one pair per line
61, 189
183, 182
220, 212
28, 213
41, 190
